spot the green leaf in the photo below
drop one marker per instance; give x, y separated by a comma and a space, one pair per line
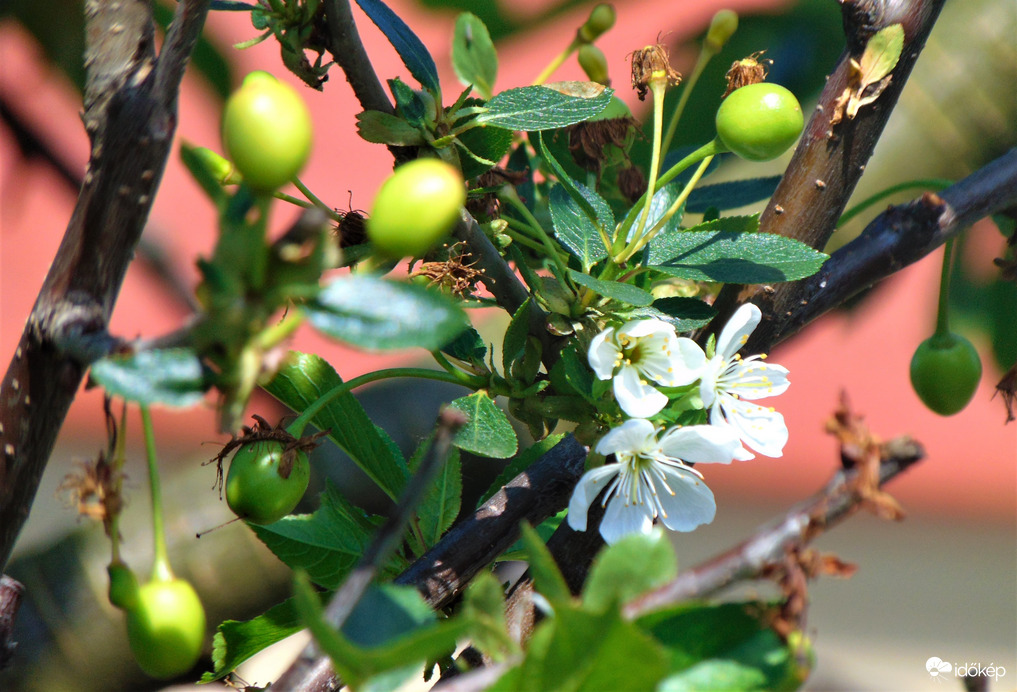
514, 342
747, 258
576, 650
303, 379
236, 641
630, 567
385, 128
731, 195
487, 432
488, 143
473, 56
372, 313
685, 314
390, 627
573, 227
410, 49
326, 544
172, 376
732, 224
663, 198
484, 607
520, 463
547, 578
725, 646
442, 501
595, 208
882, 53
536, 108
615, 290
199, 164
468, 347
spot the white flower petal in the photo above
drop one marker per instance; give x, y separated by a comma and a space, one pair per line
586, 491
639, 329
759, 427
755, 379
736, 332
635, 396
633, 436
692, 503
603, 354
621, 519
701, 444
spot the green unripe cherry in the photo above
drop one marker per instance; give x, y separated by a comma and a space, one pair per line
758, 122
260, 488
266, 131
123, 586
594, 63
601, 19
722, 27
945, 371
166, 628
415, 207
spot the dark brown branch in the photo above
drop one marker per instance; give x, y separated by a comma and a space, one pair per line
343, 42
130, 117
830, 160
901, 236
801, 525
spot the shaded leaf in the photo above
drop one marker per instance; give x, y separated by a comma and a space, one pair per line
385, 128
410, 49
748, 258
573, 227
473, 55
372, 313
303, 379
628, 568
326, 544
731, 195
172, 376
535, 108
615, 290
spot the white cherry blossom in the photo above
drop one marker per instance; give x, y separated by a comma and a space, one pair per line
639, 352
729, 383
651, 479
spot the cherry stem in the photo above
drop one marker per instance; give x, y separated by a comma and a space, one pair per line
161, 570
942, 316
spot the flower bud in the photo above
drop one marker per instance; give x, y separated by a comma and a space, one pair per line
723, 25
594, 64
219, 167
600, 20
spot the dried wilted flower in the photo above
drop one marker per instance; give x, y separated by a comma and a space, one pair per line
632, 183
750, 70
94, 491
588, 139
456, 274
649, 65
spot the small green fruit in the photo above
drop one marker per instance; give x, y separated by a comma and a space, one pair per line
758, 122
722, 27
594, 63
601, 19
123, 586
260, 488
266, 131
415, 207
944, 373
166, 628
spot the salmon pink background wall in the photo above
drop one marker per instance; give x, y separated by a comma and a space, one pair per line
970, 468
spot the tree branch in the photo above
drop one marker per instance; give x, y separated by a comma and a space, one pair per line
901, 236
829, 160
130, 117
802, 524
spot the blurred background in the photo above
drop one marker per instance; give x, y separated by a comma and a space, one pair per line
942, 583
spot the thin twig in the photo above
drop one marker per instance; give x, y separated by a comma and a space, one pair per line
384, 544
799, 526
